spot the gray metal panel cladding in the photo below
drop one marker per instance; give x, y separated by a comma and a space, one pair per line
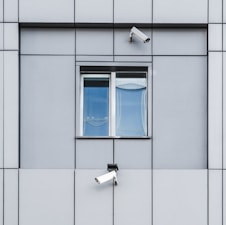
133, 197
46, 196
179, 41
94, 41
100, 11
136, 11
93, 153
188, 11
57, 41
47, 111
133, 154
1, 111
180, 197
61, 11
180, 112
93, 202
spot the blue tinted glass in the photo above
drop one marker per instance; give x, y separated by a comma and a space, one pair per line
96, 109
130, 112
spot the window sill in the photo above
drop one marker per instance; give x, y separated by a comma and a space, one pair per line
113, 137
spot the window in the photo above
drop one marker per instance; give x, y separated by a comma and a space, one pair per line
114, 104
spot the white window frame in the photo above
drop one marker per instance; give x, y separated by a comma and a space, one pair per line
112, 100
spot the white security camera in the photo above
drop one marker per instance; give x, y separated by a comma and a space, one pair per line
107, 177
111, 175
140, 35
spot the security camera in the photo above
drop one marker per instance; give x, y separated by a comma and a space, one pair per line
111, 175
137, 33
107, 177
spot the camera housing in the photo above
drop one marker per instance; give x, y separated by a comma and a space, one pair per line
111, 175
107, 177
138, 34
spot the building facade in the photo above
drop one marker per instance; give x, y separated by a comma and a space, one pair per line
79, 91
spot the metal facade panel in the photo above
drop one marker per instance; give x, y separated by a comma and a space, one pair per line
224, 197
11, 10
46, 197
215, 37
1, 36
180, 197
94, 42
46, 11
224, 37
215, 197
48, 41
11, 40
93, 154
179, 41
135, 59
136, 11
1, 10
99, 11
133, 154
11, 197
1, 197
133, 198
224, 11
215, 11
123, 46
47, 111
180, 11
94, 58
93, 202
11, 109
215, 110
180, 112
1, 110
224, 110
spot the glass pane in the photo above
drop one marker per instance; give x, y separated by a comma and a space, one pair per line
96, 107
131, 107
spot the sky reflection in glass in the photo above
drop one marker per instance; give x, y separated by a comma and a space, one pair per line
96, 107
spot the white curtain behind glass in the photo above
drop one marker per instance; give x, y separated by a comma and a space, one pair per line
131, 107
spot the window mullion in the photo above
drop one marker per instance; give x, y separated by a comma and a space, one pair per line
82, 105
112, 104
